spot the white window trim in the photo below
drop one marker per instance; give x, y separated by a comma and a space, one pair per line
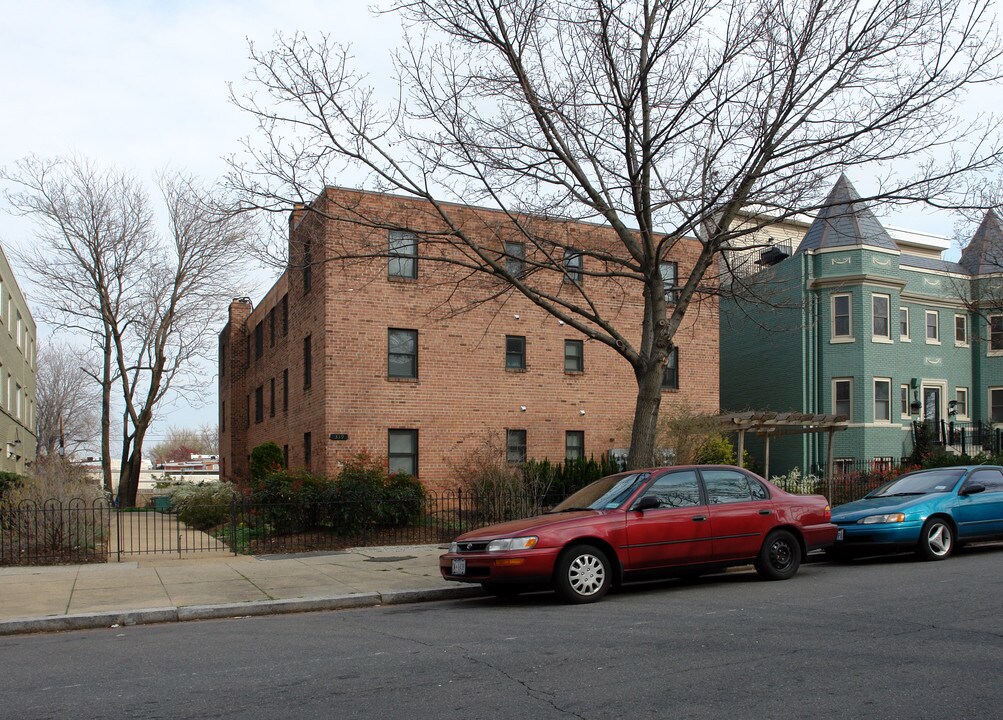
888, 318
908, 325
965, 342
968, 400
874, 400
833, 399
926, 327
905, 412
989, 399
989, 338
833, 337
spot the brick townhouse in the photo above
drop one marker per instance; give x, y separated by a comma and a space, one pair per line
395, 355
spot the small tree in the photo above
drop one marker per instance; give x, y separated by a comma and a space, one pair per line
266, 459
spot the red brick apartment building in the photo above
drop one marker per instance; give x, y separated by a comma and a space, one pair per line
400, 357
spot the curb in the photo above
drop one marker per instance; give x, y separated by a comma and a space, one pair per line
150, 616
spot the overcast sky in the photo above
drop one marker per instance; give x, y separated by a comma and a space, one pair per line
142, 85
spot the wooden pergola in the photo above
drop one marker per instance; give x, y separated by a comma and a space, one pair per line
772, 424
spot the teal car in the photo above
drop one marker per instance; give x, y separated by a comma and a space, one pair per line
929, 511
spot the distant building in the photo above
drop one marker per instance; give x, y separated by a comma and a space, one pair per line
341, 358
873, 325
17, 374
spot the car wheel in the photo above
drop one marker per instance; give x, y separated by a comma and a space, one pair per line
936, 541
500, 590
780, 556
583, 574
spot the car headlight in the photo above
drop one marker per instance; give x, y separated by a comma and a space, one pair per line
454, 547
875, 519
519, 543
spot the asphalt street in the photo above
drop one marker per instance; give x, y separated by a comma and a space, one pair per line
886, 638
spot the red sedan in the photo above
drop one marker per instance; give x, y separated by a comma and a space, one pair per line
644, 524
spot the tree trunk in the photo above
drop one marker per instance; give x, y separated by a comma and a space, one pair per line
128, 481
643, 448
106, 413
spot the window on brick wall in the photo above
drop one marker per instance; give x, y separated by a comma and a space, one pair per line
285, 390
842, 397
669, 272
904, 405
961, 330
933, 327
882, 400
402, 451
271, 327
307, 362
842, 327
403, 255
402, 354
285, 456
515, 258
515, 352
961, 402
259, 403
285, 315
996, 404
307, 449
903, 323
574, 356
515, 446
573, 265
670, 375
574, 444
271, 398
259, 340
881, 317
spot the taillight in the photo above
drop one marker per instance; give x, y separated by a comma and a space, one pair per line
828, 513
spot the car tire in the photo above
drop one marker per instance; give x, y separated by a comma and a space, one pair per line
780, 556
500, 590
936, 539
583, 574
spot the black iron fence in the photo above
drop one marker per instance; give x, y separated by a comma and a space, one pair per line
968, 438
78, 532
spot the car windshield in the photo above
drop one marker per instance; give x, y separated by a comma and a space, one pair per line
921, 483
604, 494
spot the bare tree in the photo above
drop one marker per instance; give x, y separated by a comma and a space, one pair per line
94, 228
66, 400
659, 119
152, 303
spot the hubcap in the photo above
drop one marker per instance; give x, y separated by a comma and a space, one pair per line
939, 539
781, 555
586, 574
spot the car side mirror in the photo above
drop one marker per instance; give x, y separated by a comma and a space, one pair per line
648, 502
973, 489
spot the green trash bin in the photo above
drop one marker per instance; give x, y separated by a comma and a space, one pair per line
161, 503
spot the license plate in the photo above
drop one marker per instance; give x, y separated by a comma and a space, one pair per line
839, 536
459, 566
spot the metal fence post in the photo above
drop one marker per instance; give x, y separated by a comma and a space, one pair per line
233, 524
459, 511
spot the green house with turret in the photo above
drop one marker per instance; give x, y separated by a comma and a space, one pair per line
873, 325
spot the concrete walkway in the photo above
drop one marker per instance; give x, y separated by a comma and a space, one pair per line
161, 588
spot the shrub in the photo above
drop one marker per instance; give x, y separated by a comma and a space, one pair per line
716, 450
293, 501
55, 511
203, 505
266, 459
403, 500
9, 481
796, 483
360, 487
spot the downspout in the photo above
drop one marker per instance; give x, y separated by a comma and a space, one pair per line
811, 380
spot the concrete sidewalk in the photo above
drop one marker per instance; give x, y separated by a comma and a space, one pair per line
166, 589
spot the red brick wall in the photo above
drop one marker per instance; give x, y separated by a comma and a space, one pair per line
463, 391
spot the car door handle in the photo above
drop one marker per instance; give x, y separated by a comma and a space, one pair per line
765, 512
699, 518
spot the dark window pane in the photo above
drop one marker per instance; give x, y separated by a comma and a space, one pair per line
515, 446
515, 258
307, 362
670, 376
515, 352
679, 489
402, 354
996, 332
403, 255
841, 316
573, 264
307, 449
726, 486
403, 451
574, 444
668, 271
574, 356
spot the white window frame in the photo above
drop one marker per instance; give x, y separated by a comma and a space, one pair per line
904, 315
993, 352
905, 412
887, 337
964, 341
957, 392
926, 327
887, 382
835, 382
990, 406
834, 338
